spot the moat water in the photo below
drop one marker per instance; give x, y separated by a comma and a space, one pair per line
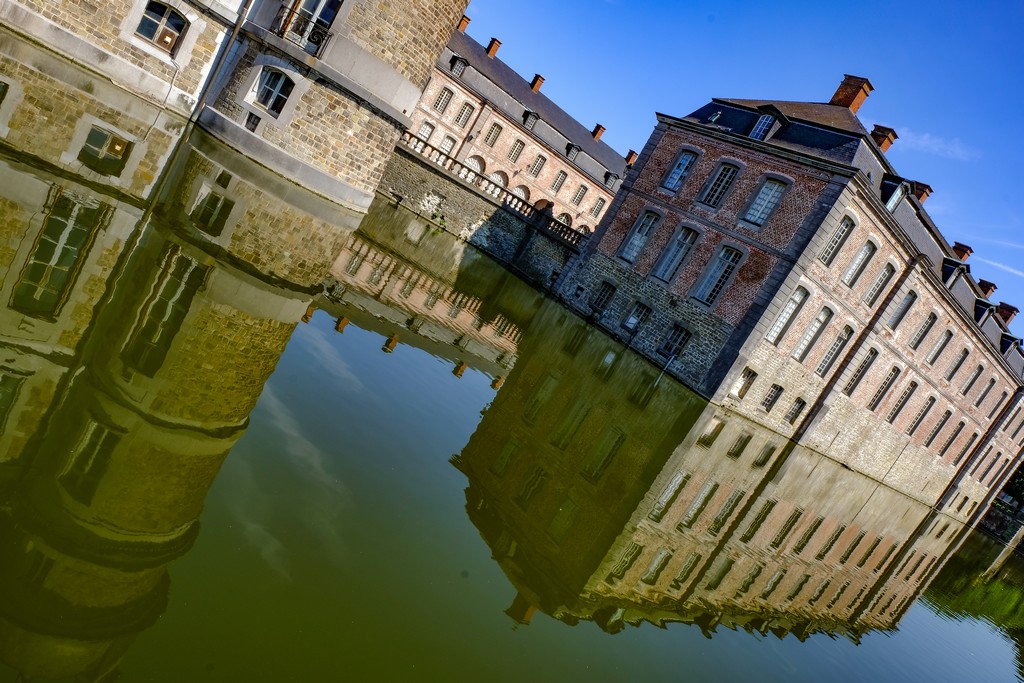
432, 472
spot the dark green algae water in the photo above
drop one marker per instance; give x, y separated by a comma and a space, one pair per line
411, 497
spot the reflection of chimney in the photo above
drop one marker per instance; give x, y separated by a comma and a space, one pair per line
390, 344
962, 251
339, 326
921, 190
492, 47
987, 288
521, 610
537, 81
598, 131
883, 137
852, 92
498, 381
630, 158
460, 368
309, 313
463, 24
1006, 311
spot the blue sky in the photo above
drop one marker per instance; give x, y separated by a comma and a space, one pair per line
948, 77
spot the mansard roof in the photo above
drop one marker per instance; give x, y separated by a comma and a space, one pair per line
818, 113
521, 97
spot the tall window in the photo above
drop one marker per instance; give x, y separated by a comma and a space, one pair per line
571, 152
674, 180
581, 192
812, 333
596, 209
162, 26
771, 397
951, 438
603, 296
492, 135
674, 341
88, 461
939, 347
537, 165
923, 331
921, 415
57, 256
761, 128
425, 131
765, 202
789, 311
795, 410
901, 310
530, 120
213, 208
465, 112
719, 187
443, 99
675, 252
636, 317
901, 402
859, 263
833, 351
969, 384
641, 231
447, 145
835, 243
957, 364
517, 148
718, 276
984, 393
938, 428
883, 388
272, 90
879, 284
858, 374
559, 181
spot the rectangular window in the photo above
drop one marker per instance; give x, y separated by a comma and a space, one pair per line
636, 317
674, 341
641, 231
581, 192
858, 264
901, 311
674, 180
883, 388
595, 210
537, 165
923, 331
789, 311
957, 364
758, 520
765, 202
698, 505
686, 570
743, 383
771, 397
571, 152
807, 535
465, 112
859, 373
458, 67
88, 461
831, 249
833, 537
725, 511
657, 565
921, 415
811, 334
879, 284
559, 181
531, 487
786, 528
667, 496
517, 148
739, 445
901, 402
720, 185
718, 276
602, 456
447, 145
795, 410
761, 128
710, 435
603, 296
443, 98
675, 252
60, 249
833, 351
492, 135
211, 211
425, 131
499, 466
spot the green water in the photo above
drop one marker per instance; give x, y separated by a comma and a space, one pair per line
212, 472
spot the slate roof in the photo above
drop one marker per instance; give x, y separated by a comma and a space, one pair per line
503, 76
819, 113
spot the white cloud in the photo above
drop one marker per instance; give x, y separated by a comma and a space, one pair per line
948, 148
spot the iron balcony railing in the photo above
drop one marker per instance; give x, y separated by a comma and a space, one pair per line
298, 27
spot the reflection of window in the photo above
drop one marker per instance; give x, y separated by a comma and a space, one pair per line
50, 271
105, 152
9, 385
710, 435
667, 496
697, 506
539, 398
162, 26
532, 486
161, 316
213, 208
88, 461
508, 453
599, 459
272, 90
567, 427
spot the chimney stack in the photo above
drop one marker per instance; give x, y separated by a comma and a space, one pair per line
1006, 311
987, 288
598, 131
883, 137
962, 251
492, 47
537, 81
630, 158
852, 92
921, 190
463, 24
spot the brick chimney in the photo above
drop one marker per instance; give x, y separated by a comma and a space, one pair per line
883, 137
492, 47
598, 131
1006, 311
630, 158
987, 288
463, 23
852, 92
921, 190
537, 81
962, 251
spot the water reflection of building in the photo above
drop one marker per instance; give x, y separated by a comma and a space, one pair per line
623, 506
139, 383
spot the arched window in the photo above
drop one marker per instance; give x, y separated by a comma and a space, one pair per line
718, 275
162, 26
537, 165
858, 264
521, 192
789, 311
272, 90
835, 243
499, 178
902, 310
443, 98
565, 218
675, 252
475, 163
641, 231
812, 333
674, 180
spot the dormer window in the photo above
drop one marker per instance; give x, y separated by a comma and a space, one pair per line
572, 152
530, 119
762, 127
458, 66
899, 193
609, 179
